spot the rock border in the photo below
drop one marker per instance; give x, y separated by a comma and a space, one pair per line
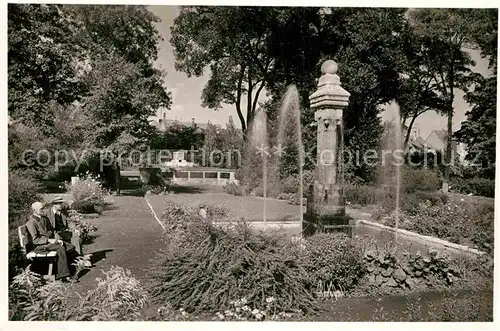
421, 237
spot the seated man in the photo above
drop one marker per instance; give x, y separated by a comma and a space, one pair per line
62, 228
41, 233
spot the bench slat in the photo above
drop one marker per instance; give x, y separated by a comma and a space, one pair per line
32, 255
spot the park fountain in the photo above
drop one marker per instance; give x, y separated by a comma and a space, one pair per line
325, 199
325, 203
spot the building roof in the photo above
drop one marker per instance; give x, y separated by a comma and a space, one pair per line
441, 134
417, 143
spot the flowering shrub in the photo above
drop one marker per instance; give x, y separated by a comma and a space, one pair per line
118, 296
88, 194
477, 186
23, 191
84, 228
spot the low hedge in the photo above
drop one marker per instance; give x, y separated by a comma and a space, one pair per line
477, 186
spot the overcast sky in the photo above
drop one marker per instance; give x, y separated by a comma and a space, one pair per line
186, 92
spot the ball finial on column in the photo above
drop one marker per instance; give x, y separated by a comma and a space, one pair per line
330, 92
329, 67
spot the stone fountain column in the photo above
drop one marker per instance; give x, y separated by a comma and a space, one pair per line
326, 196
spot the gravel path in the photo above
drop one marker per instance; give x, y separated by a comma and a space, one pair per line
127, 236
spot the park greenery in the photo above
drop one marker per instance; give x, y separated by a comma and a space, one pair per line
241, 274
82, 78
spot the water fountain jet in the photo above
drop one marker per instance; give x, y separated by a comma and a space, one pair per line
259, 144
291, 106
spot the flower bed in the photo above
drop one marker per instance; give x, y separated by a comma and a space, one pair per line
460, 222
84, 229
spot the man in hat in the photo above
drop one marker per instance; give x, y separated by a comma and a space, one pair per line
41, 232
59, 222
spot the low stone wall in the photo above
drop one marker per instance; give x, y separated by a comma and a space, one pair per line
423, 238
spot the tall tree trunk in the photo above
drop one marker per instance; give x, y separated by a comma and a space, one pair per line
250, 114
446, 179
408, 131
238, 102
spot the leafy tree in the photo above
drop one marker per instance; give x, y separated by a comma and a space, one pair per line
234, 43
232, 144
89, 63
280, 46
418, 93
446, 32
368, 46
478, 132
225, 143
212, 143
41, 67
124, 87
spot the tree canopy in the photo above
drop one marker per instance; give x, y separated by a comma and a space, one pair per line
89, 65
478, 132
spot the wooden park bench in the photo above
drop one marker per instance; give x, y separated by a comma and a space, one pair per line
50, 257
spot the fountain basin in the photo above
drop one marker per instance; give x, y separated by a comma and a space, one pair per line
380, 236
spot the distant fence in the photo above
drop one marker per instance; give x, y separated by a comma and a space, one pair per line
214, 176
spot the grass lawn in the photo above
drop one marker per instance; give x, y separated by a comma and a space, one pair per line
247, 208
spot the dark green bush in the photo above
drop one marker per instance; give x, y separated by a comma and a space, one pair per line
363, 195
477, 186
17, 259
234, 189
420, 180
23, 191
334, 261
409, 202
291, 183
